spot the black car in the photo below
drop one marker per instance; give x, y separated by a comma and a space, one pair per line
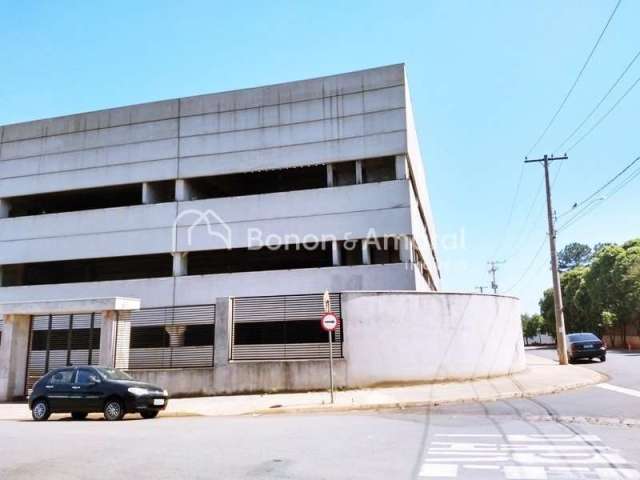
585, 345
83, 390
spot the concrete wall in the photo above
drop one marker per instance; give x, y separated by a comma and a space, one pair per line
204, 289
390, 338
407, 337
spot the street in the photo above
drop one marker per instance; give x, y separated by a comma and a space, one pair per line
571, 435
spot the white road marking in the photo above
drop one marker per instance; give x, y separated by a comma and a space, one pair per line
525, 473
568, 457
439, 470
617, 474
615, 388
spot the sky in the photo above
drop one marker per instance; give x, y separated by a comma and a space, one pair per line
485, 79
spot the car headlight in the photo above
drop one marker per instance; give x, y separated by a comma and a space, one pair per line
165, 393
137, 391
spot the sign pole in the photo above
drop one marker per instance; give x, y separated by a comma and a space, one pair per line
331, 364
326, 301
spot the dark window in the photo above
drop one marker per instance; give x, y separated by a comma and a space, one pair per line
62, 377
351, 252
91, 270
254, 183
199, 335
75, 200
293, 331
59, 339
384, 250
86, 376
378, 169
249, 260
344, 173
149, 337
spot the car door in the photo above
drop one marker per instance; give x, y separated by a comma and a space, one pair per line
59, 390
87, 391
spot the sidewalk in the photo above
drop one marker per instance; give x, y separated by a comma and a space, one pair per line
542, 376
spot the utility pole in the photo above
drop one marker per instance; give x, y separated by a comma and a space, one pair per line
561, 339
492, 270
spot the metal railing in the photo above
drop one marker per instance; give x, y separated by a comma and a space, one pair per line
283, 328
172, 337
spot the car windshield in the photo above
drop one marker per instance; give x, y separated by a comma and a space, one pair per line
113, 374
583, 337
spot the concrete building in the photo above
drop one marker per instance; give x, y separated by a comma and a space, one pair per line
180, 205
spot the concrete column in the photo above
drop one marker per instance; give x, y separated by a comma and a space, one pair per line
4, 208
402, 167
13, 356
149, 194
176, 334
179, 264
183, 191
115, 336
359, 171
366, 254
223, 325
329, 175
406, 250
336, 253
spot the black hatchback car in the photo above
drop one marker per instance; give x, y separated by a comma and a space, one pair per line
585, 345
83, 390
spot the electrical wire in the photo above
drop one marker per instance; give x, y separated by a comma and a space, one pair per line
606, 95
573, 86
591, 203
526, 271
603, 117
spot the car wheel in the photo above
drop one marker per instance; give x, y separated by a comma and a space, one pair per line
79, 415
603, 358
149, 413
40, 411
570, 359
113, 410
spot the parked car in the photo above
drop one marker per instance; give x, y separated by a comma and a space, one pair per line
85, 389
585, 345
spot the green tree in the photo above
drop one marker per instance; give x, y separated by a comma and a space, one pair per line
574, 255
531, 325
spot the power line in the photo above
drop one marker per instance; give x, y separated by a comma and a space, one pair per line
603, 117
591, 203
606, 95
573, 86
510, 217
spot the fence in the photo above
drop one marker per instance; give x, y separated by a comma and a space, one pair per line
61, 340
283, 328
172, 337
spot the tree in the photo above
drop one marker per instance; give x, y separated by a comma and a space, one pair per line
531, 325
574, 255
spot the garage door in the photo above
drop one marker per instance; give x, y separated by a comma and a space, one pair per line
61, 340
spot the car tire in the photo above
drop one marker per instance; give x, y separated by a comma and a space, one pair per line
79, 415
570, 359
40, 410
603, 358
149, 413
113, 410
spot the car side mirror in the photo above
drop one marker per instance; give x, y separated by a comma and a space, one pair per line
94, 379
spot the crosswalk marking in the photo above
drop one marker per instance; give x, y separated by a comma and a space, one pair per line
615, 388
524, 457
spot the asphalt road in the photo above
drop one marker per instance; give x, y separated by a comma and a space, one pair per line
571, 435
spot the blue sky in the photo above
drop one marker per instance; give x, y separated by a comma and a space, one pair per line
485, 78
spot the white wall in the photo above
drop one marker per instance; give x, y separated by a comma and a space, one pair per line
406, 337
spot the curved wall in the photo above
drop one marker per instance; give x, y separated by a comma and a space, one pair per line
420, 336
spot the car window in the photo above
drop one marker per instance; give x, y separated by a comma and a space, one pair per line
583, 337
113, 374
86, 376
62, 377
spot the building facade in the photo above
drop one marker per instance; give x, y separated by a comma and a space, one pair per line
191, 240
168, 201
